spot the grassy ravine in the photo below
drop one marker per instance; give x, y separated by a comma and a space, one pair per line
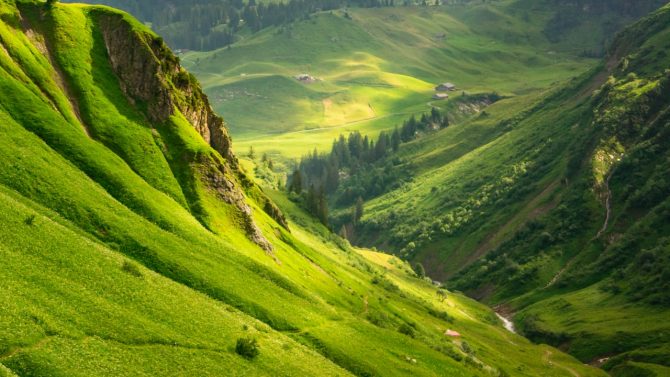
106, 270
511, 207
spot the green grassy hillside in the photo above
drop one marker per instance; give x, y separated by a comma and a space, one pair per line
554, 205
133, 244
373, 68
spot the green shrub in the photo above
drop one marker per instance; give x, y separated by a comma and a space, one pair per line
450, 351
385, 283
466, 348
407, 330
30, 220
377, 318
247, 347
131, 268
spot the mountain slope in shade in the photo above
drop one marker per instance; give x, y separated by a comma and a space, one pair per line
554, 206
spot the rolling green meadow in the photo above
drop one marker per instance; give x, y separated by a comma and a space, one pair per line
373, 70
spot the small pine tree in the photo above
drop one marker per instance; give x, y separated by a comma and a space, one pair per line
343, 232
296, 182
322, 207
435, 115
358, 210
251, 153
445, 122
395, 140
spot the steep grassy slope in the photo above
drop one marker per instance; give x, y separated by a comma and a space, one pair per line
132, 244
555, 205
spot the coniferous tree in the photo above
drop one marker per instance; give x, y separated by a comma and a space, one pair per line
380, 147
445, 122
343, 232
435, 115
358, 210
395, 140
296, 182
322, 207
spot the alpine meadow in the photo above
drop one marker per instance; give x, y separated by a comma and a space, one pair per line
335, 188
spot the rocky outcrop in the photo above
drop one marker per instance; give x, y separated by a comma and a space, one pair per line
271, 209
225, 189
152, 78
153, 81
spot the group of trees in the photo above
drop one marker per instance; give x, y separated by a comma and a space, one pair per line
356, 168
211, 24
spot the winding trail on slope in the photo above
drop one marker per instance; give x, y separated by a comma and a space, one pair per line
608, 215
559, 273
608, 205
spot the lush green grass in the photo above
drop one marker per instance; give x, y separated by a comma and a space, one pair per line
108, 267
608, 324
374, 70
519, 195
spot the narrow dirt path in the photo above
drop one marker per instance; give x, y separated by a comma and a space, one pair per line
559, 273
608, 205
608, 216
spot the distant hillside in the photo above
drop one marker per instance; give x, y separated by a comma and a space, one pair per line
588, 24
133, 243
375, 67
209, 24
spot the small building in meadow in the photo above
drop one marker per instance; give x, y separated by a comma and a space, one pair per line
452, 333
440, 96
306, 78
444, 87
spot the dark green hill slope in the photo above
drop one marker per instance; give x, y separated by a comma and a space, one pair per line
131, 243
555, 205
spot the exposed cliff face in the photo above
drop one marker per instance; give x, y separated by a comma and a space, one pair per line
153, 81
150, 75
